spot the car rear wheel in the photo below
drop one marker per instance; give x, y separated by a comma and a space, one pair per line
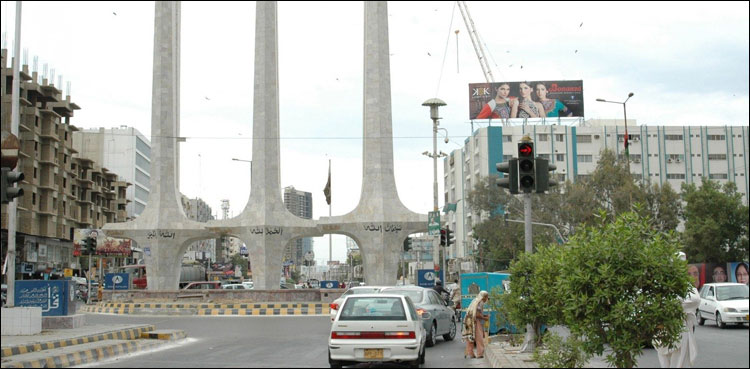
700, 318
452, 333
431, 335
333, 363
719, 322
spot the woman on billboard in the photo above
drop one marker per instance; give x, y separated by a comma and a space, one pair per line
552, 107
502, 106
527, 107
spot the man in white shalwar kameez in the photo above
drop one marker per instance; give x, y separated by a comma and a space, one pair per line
685, 351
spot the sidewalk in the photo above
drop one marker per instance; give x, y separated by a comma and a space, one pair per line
201, 308
500, 354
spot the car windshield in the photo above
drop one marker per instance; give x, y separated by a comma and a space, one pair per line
360, 291
724, 293
415, 295
373, 308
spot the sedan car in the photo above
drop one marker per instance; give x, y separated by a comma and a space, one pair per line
236, 286
351, 291
437, 317
724, 303
376, 328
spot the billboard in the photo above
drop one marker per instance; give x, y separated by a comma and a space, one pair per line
719, 272
532, 99
104, 245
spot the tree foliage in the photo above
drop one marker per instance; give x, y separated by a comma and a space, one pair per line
716, 222
616, 283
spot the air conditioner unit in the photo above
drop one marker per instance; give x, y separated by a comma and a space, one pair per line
636, 160
669, 161
679, 161
596, 137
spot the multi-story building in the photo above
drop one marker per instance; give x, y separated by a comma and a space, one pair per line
62, 192
300, 204
124, 150
197, 210
658, 154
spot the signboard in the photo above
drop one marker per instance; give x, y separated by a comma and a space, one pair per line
314, 283
120, 281
504, 100
433, 223
329, 284
54, 297
104, 245
426, 277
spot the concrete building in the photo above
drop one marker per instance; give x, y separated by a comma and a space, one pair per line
197, 210
659, 154
300, 204
62, 191
127, 152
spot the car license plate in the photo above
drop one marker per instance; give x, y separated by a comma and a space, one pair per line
747, 317
373, 353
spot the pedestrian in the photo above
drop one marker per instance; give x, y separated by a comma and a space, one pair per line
473, 329
685, 351
343, 284
441, 291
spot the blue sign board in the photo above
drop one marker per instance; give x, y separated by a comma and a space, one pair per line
426, 278
56, 298
329, 284
120, 281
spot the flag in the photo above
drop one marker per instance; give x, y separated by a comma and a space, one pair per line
327, 190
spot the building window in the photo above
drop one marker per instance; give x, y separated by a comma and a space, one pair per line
585, 158
507, 138
142, 147
142, 162
33, 199
142, 178
141, 193
716, 137
34, 173
560, 157
673, 137
543, 137
675, 158
583, 138
559, 137
507, 157
717, 156
675, 176
718, 176
544, 156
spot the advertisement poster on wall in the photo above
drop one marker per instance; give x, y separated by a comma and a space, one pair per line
530, 99
104, 245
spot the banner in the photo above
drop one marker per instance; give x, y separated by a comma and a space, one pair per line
104, 245
532, 99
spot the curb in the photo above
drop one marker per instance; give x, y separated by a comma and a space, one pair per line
128, 334
297, 309
86, 356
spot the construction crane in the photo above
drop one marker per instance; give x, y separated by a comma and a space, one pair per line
475, 41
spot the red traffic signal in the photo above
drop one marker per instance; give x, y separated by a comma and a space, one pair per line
525, 149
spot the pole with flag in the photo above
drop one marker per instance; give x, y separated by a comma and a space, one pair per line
327, 192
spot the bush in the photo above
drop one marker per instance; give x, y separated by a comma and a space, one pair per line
561, 353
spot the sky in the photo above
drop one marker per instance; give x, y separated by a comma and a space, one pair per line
686, 65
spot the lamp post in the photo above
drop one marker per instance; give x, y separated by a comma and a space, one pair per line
251, 166
625, 111
434, 104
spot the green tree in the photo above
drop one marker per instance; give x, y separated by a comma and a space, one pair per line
621, 283
663, 204
716, 222
237, 259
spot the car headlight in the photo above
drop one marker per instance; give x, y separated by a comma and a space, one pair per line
730, 310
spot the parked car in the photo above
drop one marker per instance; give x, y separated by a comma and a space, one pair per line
357, 290
376, 328
437, 316
249, 284
236, 286
724, 303
211, 285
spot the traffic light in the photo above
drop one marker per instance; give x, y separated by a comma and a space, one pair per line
7, 179
92, 246
449, 237
526, 171
543, 181
509, 181
443, 238
407, 244
85, 246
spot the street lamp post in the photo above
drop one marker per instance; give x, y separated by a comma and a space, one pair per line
434, 104
625, 111
251, 166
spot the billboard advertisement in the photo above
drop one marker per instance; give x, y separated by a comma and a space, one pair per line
104, 245
736, 272
531, 99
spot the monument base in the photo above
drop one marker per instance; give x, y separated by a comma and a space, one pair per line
21, 321
63, 322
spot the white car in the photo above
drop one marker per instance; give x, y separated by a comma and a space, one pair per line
376, 328
358, 290
236, 286
724, 303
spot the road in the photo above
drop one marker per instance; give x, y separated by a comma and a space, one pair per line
253, 341
283, 341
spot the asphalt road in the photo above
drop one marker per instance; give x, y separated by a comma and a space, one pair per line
283, 341
252, 341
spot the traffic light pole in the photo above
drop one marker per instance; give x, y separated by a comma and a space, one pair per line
528, 344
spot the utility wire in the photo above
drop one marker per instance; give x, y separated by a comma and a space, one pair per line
445, 52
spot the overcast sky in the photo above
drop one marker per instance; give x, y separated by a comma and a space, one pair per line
686, 65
